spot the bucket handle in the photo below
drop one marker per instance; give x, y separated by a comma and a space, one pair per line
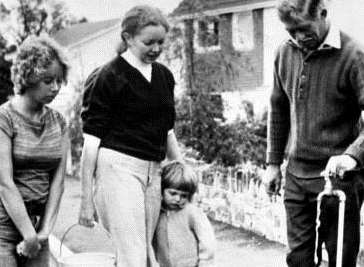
94, 224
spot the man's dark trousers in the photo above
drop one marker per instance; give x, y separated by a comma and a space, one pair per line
301, 207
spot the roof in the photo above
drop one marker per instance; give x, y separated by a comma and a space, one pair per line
79, 32
187, 7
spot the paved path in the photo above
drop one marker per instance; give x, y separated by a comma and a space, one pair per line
235, 248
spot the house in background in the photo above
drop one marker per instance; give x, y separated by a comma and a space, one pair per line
89, 45
245, 32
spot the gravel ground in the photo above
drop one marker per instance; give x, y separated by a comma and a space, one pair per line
235, 247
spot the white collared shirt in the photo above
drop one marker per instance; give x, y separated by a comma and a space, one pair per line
143, 68
332, 38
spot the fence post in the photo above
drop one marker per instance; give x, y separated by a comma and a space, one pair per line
239, 180
216, 179
229, 181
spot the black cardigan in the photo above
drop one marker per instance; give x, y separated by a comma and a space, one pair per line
128, 113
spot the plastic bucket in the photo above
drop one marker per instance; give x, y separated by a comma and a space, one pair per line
86, 259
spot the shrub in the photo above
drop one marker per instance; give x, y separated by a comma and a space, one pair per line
200, 125
75, 129
251, 141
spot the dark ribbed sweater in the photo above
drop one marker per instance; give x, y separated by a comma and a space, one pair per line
128, 113
316, 103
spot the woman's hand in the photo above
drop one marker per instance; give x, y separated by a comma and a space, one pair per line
29, 247
87, 216
43, 236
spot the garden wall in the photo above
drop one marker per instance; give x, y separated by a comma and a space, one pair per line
237, 197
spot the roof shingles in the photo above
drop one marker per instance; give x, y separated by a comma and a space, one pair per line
79, 32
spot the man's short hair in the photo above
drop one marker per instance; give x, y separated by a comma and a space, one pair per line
295, 10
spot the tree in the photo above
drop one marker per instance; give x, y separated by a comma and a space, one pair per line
6, 86
33, 17
61, 17
27, 17
4, 14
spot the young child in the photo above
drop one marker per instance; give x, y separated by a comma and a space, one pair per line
184, 236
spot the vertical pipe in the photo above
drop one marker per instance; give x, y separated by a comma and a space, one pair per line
318, 223
340, 228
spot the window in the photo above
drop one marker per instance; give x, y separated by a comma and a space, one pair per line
206, 34
243, 31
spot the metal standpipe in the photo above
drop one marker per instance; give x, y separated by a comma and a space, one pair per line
328, 191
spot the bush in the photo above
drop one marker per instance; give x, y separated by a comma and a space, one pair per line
251, 141
200, 125
75, 130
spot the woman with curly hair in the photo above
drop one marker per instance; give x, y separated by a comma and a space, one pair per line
33, 154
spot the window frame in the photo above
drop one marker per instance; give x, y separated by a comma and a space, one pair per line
235, 36
197, 46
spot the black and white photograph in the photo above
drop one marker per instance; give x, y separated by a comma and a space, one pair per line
181, 133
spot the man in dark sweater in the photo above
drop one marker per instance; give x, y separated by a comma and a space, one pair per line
316, 103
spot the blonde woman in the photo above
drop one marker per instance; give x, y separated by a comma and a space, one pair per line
128, 127
33, 154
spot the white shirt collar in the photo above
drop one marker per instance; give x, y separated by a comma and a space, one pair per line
332, 40
143, 68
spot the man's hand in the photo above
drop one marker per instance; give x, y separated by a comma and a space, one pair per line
272, 179
338, 165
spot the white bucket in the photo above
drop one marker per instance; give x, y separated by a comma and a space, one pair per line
86, 259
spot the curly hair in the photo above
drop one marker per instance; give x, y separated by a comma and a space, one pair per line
139, 17
33, 58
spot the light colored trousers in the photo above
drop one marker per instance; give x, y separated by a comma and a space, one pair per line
128, 199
